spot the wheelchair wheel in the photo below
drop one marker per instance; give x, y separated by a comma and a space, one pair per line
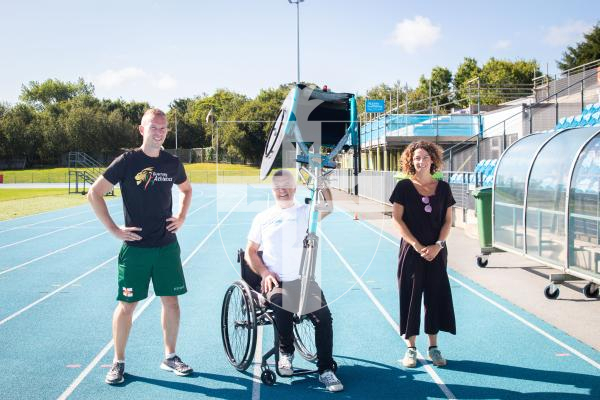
304, 338
238, 325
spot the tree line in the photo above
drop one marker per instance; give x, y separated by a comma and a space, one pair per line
54, 117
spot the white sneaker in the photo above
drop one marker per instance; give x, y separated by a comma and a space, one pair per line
285, 364
331, 382
410, 358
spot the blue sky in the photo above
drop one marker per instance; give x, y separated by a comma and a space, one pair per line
162, 50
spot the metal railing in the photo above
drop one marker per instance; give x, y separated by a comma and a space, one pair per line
564, 79
541, 115
83, 170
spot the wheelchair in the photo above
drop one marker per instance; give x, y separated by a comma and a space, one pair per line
244, 310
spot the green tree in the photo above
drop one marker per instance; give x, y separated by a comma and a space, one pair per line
189, 135
19, 134
245, 137
440, 80
224, 104
53, 91
583, 52
466, 71
503, 80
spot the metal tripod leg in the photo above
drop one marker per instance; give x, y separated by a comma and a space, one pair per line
307, 269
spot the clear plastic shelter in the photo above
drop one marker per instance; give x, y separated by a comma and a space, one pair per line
546, 201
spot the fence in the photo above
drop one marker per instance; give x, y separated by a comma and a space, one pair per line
527, 118
378, 185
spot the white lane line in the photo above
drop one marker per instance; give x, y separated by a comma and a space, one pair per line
47, 233
46, 212
75, 244
528, 324
70, 283
256, 372
44, 221
436, 378
506, 310
52, 252
109, 345
202, 206
38, 301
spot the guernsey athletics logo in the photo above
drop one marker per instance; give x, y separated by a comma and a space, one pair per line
148, 177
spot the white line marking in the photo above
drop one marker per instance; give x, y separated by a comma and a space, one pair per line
48, 233
528, 324
74, 244
109, 345
44, 221
436, 378
47, 212
52, 252
507, 311
256, 382
21, 311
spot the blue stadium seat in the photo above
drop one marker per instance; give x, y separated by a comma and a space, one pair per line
595, 119
568, 122
588, 108
488, 173
577, 121
585, 121
561, 123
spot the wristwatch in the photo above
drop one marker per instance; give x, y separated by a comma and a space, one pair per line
441, 243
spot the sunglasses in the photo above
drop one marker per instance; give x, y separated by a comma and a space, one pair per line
425, 200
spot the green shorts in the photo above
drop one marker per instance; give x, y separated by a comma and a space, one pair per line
137, 265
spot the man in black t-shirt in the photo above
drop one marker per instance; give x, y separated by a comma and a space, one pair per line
150, 250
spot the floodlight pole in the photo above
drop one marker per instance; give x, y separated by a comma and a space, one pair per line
175, 132
297, 3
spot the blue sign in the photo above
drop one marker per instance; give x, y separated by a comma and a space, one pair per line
375, 106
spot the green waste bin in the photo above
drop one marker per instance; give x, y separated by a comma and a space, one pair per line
483, 197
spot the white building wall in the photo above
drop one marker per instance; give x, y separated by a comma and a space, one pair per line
493, 124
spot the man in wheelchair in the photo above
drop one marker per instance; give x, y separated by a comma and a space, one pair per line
279, 232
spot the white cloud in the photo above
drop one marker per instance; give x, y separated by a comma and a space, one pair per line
110, 79
417, 33
566, 34
165, 82
502, 44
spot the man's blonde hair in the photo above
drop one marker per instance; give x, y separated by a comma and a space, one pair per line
151, 113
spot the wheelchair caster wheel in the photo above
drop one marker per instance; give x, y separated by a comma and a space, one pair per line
268, 377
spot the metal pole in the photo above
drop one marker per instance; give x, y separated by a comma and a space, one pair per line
503, 136
430, 108
555, 108
298, 38
175, 132
582, 106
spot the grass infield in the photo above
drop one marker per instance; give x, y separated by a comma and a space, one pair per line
20, 202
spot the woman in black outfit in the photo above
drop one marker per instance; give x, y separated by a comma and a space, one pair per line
422, 213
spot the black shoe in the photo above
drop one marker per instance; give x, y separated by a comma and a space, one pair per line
115, 375
177, 366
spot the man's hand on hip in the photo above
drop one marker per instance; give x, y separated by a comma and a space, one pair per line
127, 233
175, 223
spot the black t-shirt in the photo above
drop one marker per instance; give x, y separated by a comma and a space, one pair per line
425, 226
146, 184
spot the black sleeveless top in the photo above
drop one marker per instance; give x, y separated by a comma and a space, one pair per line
425, 226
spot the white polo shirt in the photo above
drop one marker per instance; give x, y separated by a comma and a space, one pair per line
280, 234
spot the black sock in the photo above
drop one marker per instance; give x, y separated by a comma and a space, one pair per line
432, 347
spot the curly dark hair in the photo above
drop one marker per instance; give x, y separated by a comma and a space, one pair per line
434, 151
